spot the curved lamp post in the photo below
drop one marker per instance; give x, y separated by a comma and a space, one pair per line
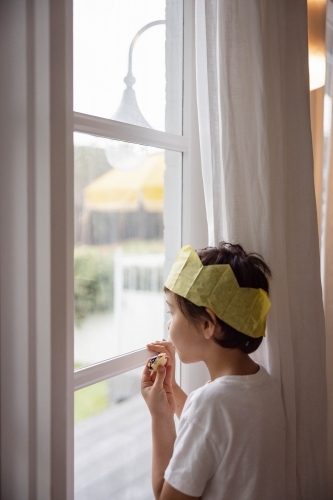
122, 155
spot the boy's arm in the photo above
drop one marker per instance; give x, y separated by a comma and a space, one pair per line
163, 437
163, 434
179, 395
160, 401
169, 493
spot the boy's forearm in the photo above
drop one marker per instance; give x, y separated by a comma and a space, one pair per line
163, 437
180, 399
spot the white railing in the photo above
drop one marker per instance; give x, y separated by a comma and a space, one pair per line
138, 273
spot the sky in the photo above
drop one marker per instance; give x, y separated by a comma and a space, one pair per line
103, 31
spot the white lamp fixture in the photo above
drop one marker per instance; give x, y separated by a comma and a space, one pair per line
125, 155
122, 155
317, 48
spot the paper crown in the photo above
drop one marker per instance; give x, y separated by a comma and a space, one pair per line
216, 287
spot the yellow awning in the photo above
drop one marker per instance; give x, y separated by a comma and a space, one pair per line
118, 190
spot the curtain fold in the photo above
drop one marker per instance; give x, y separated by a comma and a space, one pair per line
327, 246
328, 303
256, 154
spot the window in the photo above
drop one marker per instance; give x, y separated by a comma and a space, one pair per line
128, 148
43, 214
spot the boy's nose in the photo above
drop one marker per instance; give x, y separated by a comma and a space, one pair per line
168, 324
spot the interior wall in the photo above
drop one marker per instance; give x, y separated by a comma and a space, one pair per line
16, 395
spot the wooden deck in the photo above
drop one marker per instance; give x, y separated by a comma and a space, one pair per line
113, 453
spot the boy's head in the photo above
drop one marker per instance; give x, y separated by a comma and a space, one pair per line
250, 271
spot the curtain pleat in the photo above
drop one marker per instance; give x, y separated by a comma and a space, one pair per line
328, 302
256, 154
209, 117
327, 264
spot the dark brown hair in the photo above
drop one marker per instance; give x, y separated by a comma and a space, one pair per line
250, 270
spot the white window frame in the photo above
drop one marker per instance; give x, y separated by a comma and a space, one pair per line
191, 183
36, 238
112, 129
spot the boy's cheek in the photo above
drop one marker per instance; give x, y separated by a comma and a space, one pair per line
172, 339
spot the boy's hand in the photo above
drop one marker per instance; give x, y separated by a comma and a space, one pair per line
156, 389
167, 347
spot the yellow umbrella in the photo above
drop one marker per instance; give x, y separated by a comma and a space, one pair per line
117, 190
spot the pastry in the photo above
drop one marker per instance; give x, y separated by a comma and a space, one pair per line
156, 361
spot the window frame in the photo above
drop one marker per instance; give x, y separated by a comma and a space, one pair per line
37, 240
112, 129
191, 377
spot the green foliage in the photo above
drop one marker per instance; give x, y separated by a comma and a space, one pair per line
94, 274
93, 281
90, 400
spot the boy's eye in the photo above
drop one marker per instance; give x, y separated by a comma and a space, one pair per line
169, 312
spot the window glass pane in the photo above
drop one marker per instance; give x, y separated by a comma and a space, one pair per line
113, 441
103, 33
119, 247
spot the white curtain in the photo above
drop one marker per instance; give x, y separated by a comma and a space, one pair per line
328, 301
327, 250
256, 153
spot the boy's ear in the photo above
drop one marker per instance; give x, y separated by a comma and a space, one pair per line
209, 326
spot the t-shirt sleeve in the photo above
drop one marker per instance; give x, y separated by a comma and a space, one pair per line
194, 460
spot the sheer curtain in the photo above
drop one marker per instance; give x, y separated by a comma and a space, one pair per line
256, 153
328, 301
327, 234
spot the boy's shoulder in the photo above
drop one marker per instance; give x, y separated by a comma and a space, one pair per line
232, 382
233, 402
234, 390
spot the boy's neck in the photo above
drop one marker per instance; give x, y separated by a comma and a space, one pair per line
221, 362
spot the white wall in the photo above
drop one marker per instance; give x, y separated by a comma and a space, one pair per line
35, 265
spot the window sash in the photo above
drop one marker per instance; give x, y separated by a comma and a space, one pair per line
110, 368
193, 224
116, 130
112, 129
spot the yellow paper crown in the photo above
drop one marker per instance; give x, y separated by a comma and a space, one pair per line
216, 287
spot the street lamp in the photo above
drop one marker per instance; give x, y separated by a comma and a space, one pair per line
122, 155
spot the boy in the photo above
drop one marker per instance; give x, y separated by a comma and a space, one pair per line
231, 437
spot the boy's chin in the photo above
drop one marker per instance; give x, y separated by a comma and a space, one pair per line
186, 359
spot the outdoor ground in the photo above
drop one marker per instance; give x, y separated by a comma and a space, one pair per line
113, 439
113, 453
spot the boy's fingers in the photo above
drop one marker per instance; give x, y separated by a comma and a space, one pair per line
161, 342
160, 376
146, 374
155, 347
169, 361
162, 346
168, 374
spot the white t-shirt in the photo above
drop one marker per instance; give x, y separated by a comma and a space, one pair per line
231, 441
